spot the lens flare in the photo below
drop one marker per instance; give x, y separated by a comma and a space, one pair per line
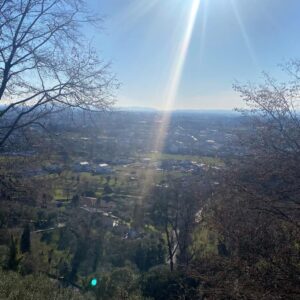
94, 282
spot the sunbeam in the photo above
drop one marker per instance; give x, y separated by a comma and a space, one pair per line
134, 12
204, 7
181, 57
176, 72
172, 89
244, 34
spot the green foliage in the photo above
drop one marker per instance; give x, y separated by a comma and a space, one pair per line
119, 284
160, 284
47, 237
75, 200
63, 268
149, 254
28, 264
205, 241
78, 258
37, 287
66, 239
200, 159
45, 219
107, 189
13, 260
25, 240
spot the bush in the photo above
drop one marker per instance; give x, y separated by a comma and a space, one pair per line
160, 284
15, 287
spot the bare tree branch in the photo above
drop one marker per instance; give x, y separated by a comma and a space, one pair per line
43, 54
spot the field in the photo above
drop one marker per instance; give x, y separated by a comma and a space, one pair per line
211, 161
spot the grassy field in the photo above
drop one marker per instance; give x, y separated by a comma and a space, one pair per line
199, 159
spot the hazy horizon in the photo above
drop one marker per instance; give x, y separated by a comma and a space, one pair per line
230, 40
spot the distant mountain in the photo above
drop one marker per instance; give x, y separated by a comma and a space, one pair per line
135, 109
206, 111
177, 111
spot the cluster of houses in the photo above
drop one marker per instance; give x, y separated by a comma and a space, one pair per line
84, 166
185, 166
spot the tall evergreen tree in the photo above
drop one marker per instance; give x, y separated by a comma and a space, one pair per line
25, 240
12, 260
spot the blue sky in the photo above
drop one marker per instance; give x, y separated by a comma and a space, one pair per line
232, 40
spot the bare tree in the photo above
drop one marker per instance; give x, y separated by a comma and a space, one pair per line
165, 213
257, 210
175, 208
269, 174
46, 65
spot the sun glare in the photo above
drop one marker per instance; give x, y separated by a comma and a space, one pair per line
176, 73
245, 35
172, 87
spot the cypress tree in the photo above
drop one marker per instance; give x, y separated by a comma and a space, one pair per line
12, 260
25, 240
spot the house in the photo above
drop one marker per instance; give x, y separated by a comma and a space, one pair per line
103, 169
83, 166
88, 201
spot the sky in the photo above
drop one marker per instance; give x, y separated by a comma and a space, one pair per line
232, 40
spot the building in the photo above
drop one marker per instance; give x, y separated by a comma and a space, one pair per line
83, 166
103, 169
88, 201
